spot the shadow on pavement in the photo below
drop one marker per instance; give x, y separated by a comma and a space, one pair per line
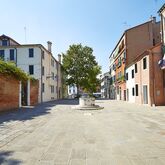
29, 113
5, 158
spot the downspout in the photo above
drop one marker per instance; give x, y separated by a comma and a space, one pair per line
153, 84
16, 56
57, 81
41, 77
162, 28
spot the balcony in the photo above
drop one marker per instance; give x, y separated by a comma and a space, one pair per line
121, 78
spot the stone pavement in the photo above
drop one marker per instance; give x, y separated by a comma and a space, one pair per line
54, 134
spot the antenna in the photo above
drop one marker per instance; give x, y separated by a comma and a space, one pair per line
126, 25
25, 34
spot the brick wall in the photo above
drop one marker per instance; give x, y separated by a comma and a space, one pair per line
34, 89
9, 93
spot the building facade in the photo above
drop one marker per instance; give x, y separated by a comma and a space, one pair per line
162, 15
146, 86
72, 91
112, 87
105, 84
38, 62
132, 43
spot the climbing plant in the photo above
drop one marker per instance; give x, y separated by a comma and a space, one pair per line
9, 69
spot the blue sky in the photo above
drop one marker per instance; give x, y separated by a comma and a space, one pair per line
95, 23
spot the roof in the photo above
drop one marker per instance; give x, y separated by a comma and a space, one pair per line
161, 9
27, 45
4, 36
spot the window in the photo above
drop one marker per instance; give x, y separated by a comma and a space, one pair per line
132, 73
144, 63
52, 75
2, 54
43, 87
52, 88
135, 68
31, 52
136, 88
52, 62
74, 91
11, 54
126, 76
43, 70
117, 90
43, 54
153, 42
133, 91
4, 42
31, 69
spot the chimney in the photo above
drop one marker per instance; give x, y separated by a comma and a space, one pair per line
153, 19
59, 58
49, 46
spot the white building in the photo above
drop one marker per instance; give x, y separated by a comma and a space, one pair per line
105, 80
72, 91
130, 83
38, 62
112, 77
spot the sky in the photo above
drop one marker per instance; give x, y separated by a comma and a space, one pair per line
98, 24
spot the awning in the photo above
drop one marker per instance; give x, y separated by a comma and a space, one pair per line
161, 63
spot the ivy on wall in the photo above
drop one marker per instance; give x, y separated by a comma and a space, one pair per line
9, 69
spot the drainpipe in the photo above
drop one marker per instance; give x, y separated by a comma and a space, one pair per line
28, 92
41, 78
153, 76
162, 35
20, 94
16, 56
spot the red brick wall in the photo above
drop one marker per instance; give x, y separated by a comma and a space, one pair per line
34, 89
9, 93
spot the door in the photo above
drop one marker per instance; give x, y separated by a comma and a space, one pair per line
120, 93
145, 94
24, 93
127, 94
124, 95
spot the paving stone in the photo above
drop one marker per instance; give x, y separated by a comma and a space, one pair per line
53, 133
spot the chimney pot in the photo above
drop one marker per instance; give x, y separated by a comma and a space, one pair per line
59, 58
49, 46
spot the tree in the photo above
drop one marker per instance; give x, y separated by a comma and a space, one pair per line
81, 67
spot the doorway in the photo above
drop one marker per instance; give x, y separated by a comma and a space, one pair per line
145, 94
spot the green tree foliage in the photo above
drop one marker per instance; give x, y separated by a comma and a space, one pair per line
81, 67
9, 69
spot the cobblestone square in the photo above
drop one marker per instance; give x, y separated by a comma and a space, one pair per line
54, 134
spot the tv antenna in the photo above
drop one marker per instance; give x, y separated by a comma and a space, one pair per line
25, 34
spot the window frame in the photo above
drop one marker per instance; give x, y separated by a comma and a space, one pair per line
31, 52
12, 55
145, 63
133, 91
5, 41
136, 70
31, 67
132, 72
136, 90
2, 55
